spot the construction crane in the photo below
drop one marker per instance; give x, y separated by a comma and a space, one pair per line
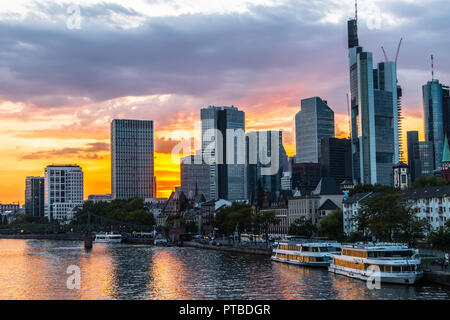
398, 50
385, 55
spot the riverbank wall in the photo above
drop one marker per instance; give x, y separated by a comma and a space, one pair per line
57, 236
438, 277
248, 250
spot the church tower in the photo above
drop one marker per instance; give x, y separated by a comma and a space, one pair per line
445, 173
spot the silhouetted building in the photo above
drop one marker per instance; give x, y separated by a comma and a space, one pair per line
336, 159
305, 177
34, 196
194, 177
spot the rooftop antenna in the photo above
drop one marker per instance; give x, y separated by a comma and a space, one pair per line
356, 10
432, 68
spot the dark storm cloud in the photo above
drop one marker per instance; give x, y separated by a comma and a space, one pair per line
216, 57
190, 54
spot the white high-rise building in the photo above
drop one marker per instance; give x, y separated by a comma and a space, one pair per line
63, 191
132, 159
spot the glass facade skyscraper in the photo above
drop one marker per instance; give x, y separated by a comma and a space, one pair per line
132, 159
223, 148
436, 117
258, 145
34, 196
314, 122
374, 115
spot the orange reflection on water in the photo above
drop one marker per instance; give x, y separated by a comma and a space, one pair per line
348, 288
288, 274
19, 278
167, 277
97, 274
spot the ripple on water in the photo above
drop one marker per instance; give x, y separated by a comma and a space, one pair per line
31, 269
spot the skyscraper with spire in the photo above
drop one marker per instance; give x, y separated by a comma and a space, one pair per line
374, 114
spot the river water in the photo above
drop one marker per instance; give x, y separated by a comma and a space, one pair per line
37, 269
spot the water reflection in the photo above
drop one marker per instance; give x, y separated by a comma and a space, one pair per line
31, 269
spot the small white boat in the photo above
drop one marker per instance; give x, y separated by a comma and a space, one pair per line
316, 254
394, 263
108, 238
160, 242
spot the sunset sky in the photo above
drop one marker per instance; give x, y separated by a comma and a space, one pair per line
164, 60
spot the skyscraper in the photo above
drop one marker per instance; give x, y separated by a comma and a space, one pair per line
194, 177
374, 113
132, 159
223, 148
336, 159
63, 191
436, 117
414, 167
420, 156
260, 157
34, 196
313, 122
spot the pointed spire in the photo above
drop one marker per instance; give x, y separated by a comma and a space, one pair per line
446, 155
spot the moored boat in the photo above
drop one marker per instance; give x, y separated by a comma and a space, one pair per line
316, 254
394, 263
108, 238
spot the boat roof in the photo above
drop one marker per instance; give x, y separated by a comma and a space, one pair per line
310, 244
378, 247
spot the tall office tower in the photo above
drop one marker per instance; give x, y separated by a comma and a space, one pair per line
194, 177
437, 117
413, 155
420, 156
374, 113
313, 122
63, 191
336, 159
34, 196
132, 159
223, 148
261, 155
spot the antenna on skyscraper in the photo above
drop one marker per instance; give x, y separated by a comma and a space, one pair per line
432, 68
356, 10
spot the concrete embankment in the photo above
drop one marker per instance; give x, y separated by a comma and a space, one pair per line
57, 236
259, 251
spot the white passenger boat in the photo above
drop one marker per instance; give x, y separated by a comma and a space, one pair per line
307, 254
108, 238
396, 263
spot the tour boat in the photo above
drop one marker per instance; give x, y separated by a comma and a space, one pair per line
307, 254
108, 238
394, 263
